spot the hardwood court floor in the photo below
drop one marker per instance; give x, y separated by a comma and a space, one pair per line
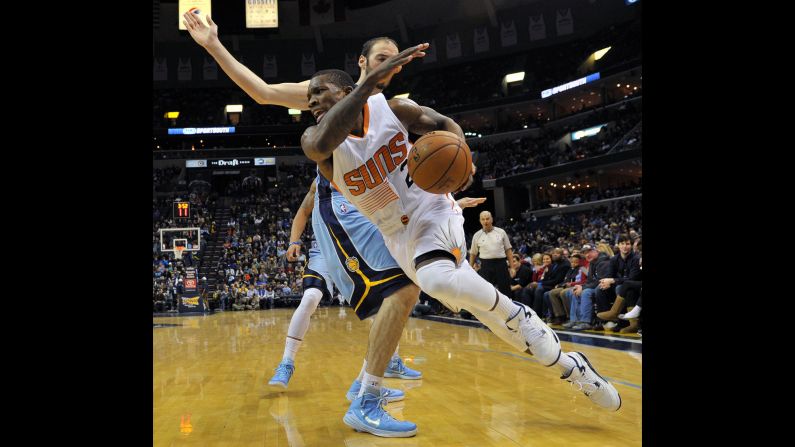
210, 386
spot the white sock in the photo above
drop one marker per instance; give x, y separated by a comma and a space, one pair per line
362, 372
507, 310
291, 348
396, 354
371, 384
566, 363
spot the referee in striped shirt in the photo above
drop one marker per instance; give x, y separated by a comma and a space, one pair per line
494, 248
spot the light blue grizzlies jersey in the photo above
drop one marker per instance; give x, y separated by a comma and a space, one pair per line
358, 261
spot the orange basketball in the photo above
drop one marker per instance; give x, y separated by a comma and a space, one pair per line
440, 162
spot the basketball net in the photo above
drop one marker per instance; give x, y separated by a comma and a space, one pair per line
178, 252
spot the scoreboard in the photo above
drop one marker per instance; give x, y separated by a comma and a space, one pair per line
181, 210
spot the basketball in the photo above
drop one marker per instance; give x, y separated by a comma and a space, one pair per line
440, 162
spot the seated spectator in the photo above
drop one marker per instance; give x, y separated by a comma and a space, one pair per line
521, 275
529, 292
557, 299
540, 263
537, 262
270, 296
554, 274
224, 297
581, 296
631, 290
623, 266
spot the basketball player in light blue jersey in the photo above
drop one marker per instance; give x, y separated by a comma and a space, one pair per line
363, 288
358, 265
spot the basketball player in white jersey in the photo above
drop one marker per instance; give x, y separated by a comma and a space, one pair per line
361, 145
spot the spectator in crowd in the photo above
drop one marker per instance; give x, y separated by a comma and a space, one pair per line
581, 296
558, 299
521, 275
538, 266
631, 290
270, 296
554, 274
532, 288
224, 297
623, 266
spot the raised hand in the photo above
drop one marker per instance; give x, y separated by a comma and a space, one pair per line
203, 34
394, 64
468, 202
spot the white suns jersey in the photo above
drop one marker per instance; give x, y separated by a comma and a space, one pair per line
372, 173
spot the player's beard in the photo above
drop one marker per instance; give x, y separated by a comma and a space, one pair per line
381, 85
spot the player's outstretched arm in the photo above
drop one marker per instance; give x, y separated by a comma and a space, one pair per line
292, 95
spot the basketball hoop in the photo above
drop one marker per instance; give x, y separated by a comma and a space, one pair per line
178, 252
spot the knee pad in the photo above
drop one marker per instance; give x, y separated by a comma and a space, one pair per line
311, 298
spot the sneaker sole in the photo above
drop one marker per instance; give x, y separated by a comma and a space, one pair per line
402, 376
354, 423
278, 384
600, 376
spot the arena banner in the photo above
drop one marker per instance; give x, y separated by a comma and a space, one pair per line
202, 8
565, 22
184, 70
262, 14
508, 33
210, 69
160, 69
453, 46
481, 40
308, 64
538, 29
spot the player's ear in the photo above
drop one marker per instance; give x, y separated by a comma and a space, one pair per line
362, 62
347, 89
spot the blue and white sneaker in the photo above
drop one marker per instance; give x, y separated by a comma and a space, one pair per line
367, 414
389, 394
283, 373
397, 369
